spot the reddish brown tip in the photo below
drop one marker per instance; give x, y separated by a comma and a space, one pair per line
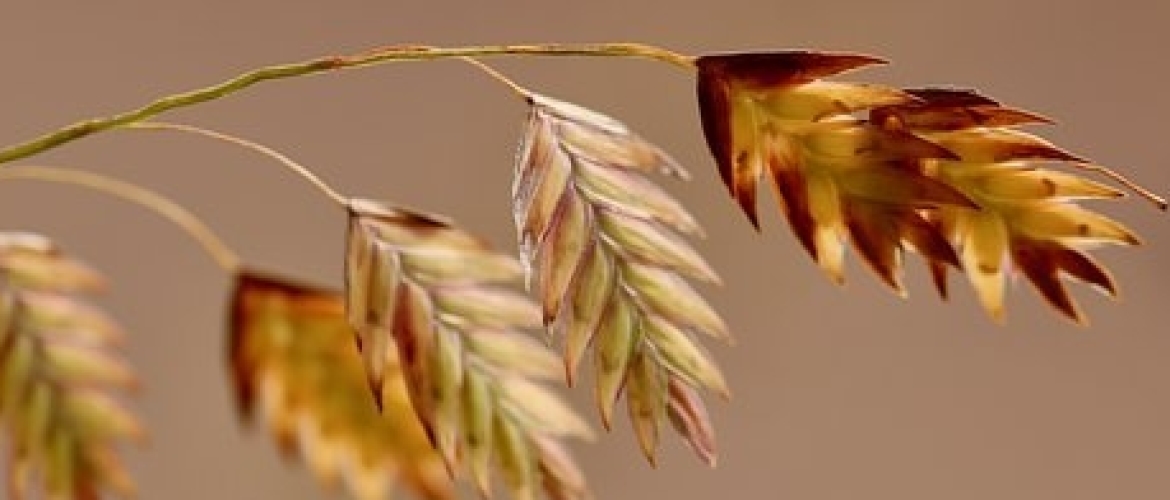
782, 68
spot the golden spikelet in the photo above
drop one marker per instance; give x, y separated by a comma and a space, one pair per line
839, 178
447, 302
943, 172
1024, 217
603, 251
293, 359
57, 373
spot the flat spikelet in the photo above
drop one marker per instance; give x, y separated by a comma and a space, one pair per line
604, 253
941, 171
448, 304
293, 360
58, 376
838, 177
1025, 216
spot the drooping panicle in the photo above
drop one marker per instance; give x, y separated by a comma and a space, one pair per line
448, 307
839, 177
606, 255
943, 172
60, 378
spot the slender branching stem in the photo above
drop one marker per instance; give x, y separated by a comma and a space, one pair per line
224, 256
500, 77
326, 64
297, 168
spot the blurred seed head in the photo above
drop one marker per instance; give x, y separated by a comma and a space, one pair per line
59, 377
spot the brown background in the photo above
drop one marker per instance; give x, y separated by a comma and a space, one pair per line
840, 393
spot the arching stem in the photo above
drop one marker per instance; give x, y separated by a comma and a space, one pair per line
496, 75
300, 170
224, 256
327, 64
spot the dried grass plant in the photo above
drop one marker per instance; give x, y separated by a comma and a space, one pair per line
423, 371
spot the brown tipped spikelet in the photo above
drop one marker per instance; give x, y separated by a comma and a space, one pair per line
1024, 216
940, 171
839, 178
57, 378
449, 305
604, 253
294, 362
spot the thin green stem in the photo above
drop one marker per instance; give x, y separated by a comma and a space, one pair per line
321, 65
223, 255
301, 170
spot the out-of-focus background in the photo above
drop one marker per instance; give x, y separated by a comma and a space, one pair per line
840, 394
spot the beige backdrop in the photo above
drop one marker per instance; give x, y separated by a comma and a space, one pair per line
840, 394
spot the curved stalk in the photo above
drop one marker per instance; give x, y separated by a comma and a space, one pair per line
326, 64
224, 256
496, 75
298, 169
